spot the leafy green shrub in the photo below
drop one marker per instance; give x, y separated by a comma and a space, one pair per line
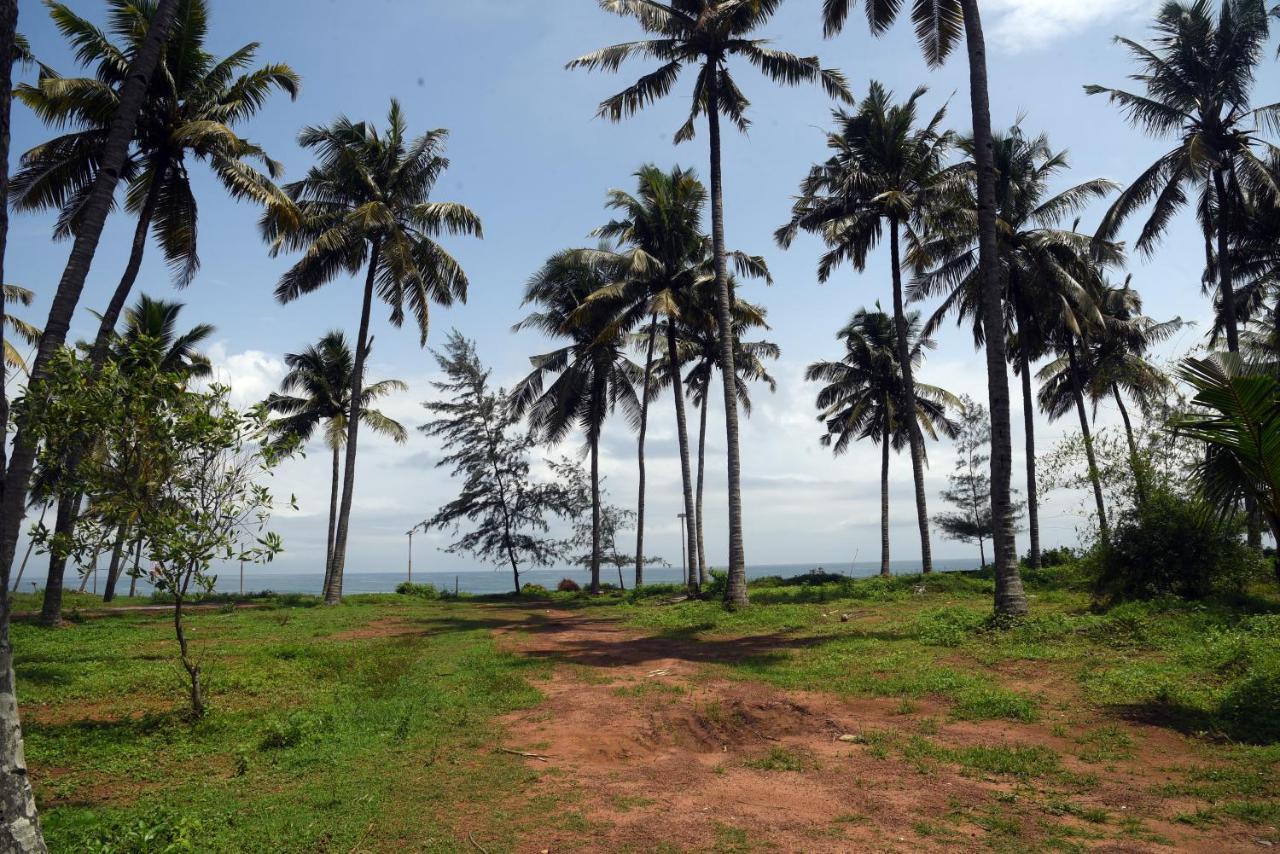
718, 584
296, 729
948, 626
1057, 556
1173, 546
422, 591
533, 590
160, 834
568, 585
1248, 710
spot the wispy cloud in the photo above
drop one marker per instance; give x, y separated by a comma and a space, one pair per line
1021, 25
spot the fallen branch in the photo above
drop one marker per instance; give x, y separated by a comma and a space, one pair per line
538, 756
478, 846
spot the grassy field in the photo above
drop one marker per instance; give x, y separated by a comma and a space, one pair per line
373, 725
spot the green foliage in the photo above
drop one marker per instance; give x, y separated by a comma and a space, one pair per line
1174, 545
568, 585
422, 591
161, 834
534, 590
1250, 705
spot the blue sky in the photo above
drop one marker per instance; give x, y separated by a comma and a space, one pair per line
529, 156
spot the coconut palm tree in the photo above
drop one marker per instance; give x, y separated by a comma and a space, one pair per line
18, 328
1197, 75
366, 204
706, 34
316, 393
701, 341
864, 397
939, 24
190, 114
580, 383
1041, 265
886, 169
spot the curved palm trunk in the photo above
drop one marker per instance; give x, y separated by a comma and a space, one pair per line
117, 560
644, 428
1135, 462
1029, 434
682, 435
909, 389
595, 514
337, 561
1094, 477
334, 481
697, 499
884, 501
735, 594
51, 604
31, 544
1010, 598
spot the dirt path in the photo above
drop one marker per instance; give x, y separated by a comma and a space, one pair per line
652, 749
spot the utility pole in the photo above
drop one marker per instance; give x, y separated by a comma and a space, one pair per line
420, 526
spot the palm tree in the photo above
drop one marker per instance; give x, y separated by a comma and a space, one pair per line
367, 205
1121, 365
591, 375
190, 113
20, 830
864, 397
1198, 76
705, 34
1041, 265
939, 25
885, 169
316, 393
20, 329
702, 341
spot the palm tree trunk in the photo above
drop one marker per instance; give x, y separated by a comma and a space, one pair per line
8, 34
333, 515
133, 578
909, 389
735, 594
117, 559
51, 605
70, 286
1010, 598
1226, 289
1135, 463
1095, 478
644, 428
682, 435
884, 500
337, 562
1029, 434
31, 544
595, 514
703, 576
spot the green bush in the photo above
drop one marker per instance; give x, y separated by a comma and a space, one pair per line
1173, 546
422, 591
718, 584
533, 590
160, 834
1056, 556
568, 585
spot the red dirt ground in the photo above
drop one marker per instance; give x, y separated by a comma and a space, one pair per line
655, 750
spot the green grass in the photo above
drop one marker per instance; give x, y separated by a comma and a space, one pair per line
310, 740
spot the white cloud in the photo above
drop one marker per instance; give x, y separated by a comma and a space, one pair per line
1020, 25
252, 375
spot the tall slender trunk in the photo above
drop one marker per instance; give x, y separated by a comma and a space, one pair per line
1226, 287
1077, 391
92, 571
337, 562
51, 605
982, 551
1029, 434
595, 513
703, 574
735, 594
644, 428
188, 663
115, 149
1010, 598
909, 390
31, 544
137, 560
1135, 462
334, 484
117, 559
682, 436
19, 820
884, 499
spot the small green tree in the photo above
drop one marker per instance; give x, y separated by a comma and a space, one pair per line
504, 511
969, 488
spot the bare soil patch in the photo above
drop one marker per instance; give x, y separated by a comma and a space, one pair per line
650, 747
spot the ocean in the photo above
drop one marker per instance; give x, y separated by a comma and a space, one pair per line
257, 579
